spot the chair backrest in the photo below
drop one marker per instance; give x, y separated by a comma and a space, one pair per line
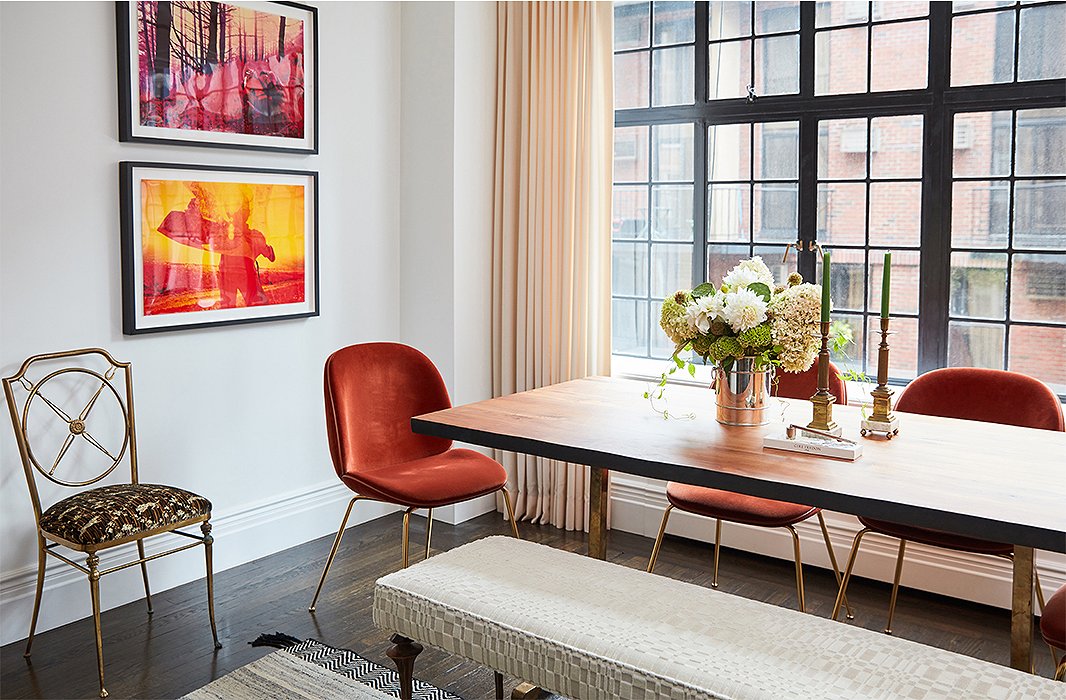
372, 391
65, 409
989, 395
803, 385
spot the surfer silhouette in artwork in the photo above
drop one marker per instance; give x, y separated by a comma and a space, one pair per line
238, 245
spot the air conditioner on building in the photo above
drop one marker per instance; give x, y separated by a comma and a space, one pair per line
853, 139
963, 137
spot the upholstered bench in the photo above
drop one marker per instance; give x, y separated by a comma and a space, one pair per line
589, 629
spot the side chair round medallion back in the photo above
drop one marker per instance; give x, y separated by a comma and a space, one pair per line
968, 393
72, 413
372, 391
751, 510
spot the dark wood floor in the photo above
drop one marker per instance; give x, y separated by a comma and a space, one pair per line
170, 653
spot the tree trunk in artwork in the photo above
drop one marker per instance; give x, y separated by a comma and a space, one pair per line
222, 35
212, 38
281, 38
161, 65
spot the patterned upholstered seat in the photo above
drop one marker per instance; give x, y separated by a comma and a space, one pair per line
120, 512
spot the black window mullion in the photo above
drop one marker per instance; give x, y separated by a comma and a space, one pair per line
699, 202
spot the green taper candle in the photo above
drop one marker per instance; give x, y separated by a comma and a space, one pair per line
885, 285
825, 287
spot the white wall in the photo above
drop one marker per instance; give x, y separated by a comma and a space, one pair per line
232, 413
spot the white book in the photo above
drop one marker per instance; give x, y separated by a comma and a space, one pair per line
808, 443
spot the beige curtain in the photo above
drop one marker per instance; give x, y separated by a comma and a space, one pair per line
551, 276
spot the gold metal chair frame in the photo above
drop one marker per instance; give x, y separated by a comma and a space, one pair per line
795, 549
899, 572
404, 544
47, 542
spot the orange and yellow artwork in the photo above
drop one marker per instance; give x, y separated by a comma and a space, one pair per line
221, 245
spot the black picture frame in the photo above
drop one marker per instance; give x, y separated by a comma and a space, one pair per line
257, 73
223, 249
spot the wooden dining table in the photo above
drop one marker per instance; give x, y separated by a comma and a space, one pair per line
986, 480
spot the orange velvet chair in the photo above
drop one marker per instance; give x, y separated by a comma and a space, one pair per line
1053, 629
751, 510
969, 393
372, 391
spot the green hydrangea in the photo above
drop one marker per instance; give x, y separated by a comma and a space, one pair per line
757, 337
701, 345
725, 347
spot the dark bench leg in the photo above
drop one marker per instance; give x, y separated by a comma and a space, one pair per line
403, 652
499, 684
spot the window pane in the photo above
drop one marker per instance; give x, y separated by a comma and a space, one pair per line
672, 152
631, 80
629, 326
729, 213
842, 213
1041, 142
982, 144
631, 154
630, 219
1042, 43
729, 20
777, 65
1038, 352
840, 58
675, 22
729, 69
982, 48
1040, 214
903, 297
897, 147
673, 79
831, 14
629, 269
848, 280
671, 269
723, 258
975, 345
631, 25
898, 9
980, 214
966, 5
772, 255
671, 214
775, 212
903, 357
900, 56
842, 149
728, 152
1038, 289
851, 356
777, 151
777, 16
979, 285
896, 213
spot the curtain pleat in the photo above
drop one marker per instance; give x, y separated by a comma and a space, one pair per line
552, 223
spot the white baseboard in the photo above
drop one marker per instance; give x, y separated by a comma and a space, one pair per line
637, 506
242, 535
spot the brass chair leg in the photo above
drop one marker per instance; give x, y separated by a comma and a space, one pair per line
332, 552
1060, 670
510, 513
94, 591
205, 527
144, 575
659, 538
42, 557
405, 544
895, 585
847, 572
833, 561
799, 567
429, 529
717, 549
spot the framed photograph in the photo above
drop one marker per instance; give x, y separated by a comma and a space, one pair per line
224, 74
210, 246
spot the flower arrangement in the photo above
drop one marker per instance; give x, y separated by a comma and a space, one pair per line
748, 315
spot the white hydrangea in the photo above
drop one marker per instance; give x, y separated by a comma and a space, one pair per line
796, 312
701, 312
744, 309
747, 272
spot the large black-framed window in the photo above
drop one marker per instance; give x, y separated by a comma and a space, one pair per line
934, 130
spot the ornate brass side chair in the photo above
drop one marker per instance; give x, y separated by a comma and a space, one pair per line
63, 422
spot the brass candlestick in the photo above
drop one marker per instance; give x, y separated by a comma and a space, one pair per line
823, 401
882, 420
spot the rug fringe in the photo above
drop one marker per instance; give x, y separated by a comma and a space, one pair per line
278, 640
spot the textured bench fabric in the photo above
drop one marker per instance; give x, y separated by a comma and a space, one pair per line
590, 629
